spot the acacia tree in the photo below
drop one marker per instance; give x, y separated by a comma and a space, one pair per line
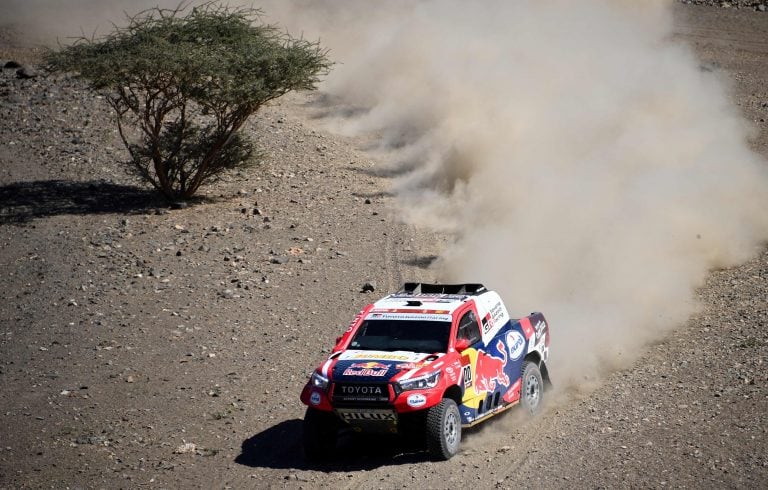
183, 82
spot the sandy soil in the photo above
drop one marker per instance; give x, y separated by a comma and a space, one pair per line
142, 346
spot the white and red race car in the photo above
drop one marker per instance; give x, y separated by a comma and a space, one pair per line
427, 360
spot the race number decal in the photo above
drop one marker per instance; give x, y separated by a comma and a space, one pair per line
467, 375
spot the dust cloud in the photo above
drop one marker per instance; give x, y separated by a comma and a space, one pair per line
584, 163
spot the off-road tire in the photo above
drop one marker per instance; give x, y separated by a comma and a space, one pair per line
443, 430
320, 433
533, 388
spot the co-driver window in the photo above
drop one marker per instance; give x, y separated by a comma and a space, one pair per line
468, 328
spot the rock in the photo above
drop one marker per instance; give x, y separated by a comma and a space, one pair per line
12, 64
90, 440
279, 260
179, 205
186, 448
227, 294
26, 72
369, 287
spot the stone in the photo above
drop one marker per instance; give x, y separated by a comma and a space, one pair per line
26, 72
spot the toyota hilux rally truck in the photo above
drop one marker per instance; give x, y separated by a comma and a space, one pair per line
426, 361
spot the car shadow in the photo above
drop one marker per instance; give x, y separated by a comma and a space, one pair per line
280, 447
25, 201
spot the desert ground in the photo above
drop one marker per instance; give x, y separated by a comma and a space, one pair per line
146, 346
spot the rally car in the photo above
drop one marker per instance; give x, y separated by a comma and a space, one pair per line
427, 361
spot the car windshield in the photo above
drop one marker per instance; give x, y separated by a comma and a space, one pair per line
409, 335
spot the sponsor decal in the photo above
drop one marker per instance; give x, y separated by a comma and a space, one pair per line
489, 370
382, 356
314, 398
487, 323
361, 390
412, 316
451, 374
515, 344
497, 312
416, 400
373, 415
410, 365
400, 356
525, 324
513, 393
355, 321
371, 368
539, 327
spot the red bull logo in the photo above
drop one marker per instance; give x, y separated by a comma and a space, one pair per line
370, 368
489, 370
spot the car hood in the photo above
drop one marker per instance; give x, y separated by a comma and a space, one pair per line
367, 365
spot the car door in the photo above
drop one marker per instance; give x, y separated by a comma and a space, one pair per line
468, 329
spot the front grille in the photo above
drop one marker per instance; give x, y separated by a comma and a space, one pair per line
360, 393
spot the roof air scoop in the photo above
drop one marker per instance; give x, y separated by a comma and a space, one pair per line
413, 303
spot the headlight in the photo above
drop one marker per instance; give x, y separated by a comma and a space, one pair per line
319, 381
420, 383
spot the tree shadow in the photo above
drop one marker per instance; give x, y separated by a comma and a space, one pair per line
24, 201
280, 447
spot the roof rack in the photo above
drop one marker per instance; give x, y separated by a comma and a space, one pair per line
469, 289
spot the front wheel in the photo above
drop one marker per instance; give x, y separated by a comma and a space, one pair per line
443, 430
320, 432
533, 387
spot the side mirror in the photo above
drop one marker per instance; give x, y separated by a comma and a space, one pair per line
338, 339
461, 344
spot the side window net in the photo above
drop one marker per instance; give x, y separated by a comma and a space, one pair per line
468, 328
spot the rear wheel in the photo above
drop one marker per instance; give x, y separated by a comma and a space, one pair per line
443, 429
320, 433
533, 388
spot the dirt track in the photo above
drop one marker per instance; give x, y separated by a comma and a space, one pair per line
129, 330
